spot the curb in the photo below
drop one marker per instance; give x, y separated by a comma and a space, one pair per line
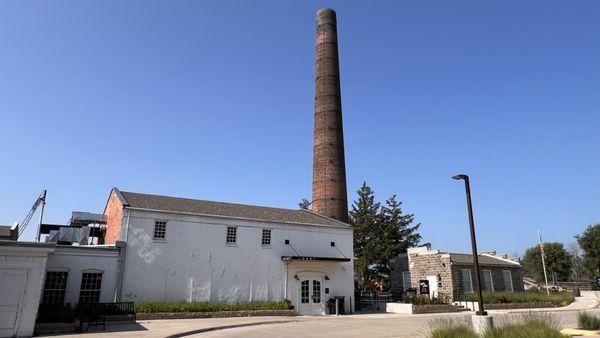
578, 332
225, 327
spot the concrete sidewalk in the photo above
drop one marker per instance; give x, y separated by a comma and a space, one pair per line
357, 325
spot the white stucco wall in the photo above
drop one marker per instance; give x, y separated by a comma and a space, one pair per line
79, 259
23, 267
195, 264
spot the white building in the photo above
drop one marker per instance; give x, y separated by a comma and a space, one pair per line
159, 248
33, 273
182, 249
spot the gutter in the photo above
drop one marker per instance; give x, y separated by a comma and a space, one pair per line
121, 262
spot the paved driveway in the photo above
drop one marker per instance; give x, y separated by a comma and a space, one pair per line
361, 325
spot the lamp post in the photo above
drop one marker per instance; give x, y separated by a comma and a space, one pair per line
465, 178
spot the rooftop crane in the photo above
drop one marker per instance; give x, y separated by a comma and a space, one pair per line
40, 200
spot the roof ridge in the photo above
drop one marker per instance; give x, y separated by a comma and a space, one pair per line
328, 218
209, 201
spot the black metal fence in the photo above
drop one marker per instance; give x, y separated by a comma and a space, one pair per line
97, 313
370, 300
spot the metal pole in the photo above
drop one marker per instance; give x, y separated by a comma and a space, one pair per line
43, 200
543, 262
481, 311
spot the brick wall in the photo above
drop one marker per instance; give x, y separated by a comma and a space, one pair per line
114, 215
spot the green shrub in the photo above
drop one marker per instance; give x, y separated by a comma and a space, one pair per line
420, 300
527, 330
454, 332
558, 299
531, 325
152, 307
55, 314
451, 328
588, 321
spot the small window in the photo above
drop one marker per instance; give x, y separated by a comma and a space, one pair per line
406, 284
488, 283
508, 284
91, 284
55, 287
467, 281
231, 235
266, 237
160, 230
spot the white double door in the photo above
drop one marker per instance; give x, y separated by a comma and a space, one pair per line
311, 297
12, 293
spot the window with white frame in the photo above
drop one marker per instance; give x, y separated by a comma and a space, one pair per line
91, 284
266, 237
231, 235
488, 282
508, 284
406, 280
160, 230
304, 291
467, 281
55, 287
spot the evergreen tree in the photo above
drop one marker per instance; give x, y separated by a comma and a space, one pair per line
380, 234
364, 219
395, 235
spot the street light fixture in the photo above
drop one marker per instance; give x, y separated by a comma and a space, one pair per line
465, 178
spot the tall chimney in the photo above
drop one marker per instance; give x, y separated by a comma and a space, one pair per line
329, 197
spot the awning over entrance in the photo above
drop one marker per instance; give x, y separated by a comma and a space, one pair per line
313, 258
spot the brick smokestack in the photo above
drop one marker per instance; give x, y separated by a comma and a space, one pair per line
329, 196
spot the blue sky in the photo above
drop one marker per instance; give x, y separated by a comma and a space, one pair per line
214, 100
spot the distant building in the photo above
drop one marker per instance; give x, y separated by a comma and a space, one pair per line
452, 274
9, 233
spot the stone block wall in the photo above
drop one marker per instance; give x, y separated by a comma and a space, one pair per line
432, 264
397, 266
497, 277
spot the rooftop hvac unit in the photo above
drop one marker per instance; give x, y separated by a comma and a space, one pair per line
86, 218
69, 235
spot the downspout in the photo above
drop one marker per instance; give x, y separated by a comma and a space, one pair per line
285, 285
121, 268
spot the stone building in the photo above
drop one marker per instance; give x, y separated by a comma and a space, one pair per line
451, 274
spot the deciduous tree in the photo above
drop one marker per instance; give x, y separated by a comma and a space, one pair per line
558, 261
589, 241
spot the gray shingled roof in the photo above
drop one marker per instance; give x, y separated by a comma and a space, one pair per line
467, 259
193, 206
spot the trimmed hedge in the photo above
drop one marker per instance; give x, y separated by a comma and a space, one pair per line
558, 299
173, 307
